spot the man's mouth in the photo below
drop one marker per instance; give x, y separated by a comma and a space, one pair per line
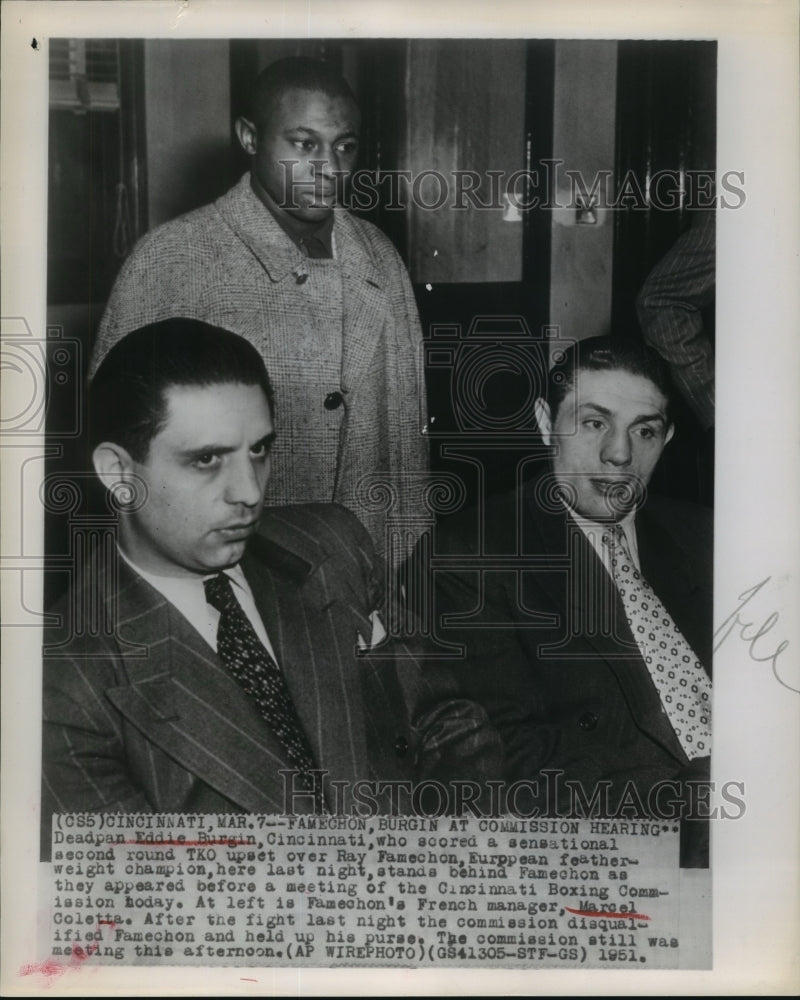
604, 485
606, 482
620, 493
240, 529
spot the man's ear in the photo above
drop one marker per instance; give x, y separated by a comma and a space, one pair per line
542, 410
246, 134
112, 463
670, 432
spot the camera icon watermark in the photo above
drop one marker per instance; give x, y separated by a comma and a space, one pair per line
41, 377
492, 374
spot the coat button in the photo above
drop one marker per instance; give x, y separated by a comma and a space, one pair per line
300, 277
588, 721
333, 400
401, 746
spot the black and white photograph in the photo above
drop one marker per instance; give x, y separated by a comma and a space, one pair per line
399, 425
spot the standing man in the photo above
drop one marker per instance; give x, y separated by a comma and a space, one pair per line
211, 664
323, 296
587, 633
676, 313
671, 306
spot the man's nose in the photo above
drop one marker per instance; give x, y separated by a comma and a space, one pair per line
245, 483
327, 164
616, 449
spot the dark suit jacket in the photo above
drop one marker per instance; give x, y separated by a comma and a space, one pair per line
546, 646
147, 719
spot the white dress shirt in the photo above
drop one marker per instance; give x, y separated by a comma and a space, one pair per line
594, 531
187, 594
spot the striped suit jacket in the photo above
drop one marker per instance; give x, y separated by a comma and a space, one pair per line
673, 306
147, 718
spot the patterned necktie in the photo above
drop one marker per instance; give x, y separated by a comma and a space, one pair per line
249, 662
681, 682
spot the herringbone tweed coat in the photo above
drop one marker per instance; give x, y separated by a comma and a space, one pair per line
347, 325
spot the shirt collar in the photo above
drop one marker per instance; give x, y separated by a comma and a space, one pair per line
177, 585
594, 531
627, 523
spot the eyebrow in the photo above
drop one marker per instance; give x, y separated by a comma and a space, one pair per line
350, 134
217, 449
268, 440
643, 418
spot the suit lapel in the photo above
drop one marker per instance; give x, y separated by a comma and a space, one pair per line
668, 568
183, 700
593, 618
311, 626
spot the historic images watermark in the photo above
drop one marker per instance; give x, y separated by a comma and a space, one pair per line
550, 796
544, 186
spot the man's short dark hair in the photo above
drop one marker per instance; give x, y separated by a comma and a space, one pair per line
608, 353
127, 397
295, 73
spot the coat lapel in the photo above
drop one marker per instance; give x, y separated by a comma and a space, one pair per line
365, 301
254, 225
366, 305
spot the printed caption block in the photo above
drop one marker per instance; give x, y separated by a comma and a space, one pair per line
343, 891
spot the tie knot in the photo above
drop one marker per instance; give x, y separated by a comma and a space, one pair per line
614, 538
219, 593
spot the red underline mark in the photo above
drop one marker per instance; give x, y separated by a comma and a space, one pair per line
219, 842
602, 915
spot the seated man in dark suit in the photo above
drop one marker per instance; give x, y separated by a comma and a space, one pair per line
214, 649
585, 621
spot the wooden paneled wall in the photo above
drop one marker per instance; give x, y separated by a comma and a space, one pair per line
581, 256
465, 111
188, 124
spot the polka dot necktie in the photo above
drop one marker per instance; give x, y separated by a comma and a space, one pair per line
681, 682
250, 663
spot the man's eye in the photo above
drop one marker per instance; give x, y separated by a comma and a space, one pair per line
594, 425
208, 460
647, 433
306, 145
260, 451
347, 148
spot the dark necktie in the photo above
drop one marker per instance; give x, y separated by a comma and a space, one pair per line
248, 660
681, 682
